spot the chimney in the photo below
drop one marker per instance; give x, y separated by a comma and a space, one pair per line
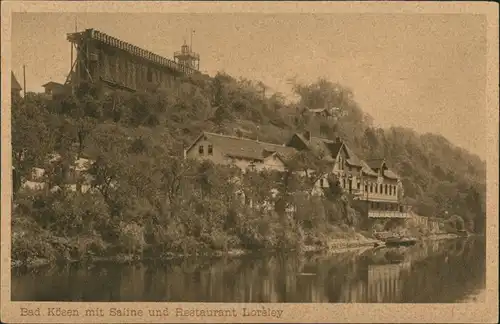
307, 135
338, 140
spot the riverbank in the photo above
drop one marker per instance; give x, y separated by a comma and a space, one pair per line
33, 256
331, 246
441, 236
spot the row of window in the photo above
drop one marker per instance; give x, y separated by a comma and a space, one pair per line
210, 150
385, 207
386, 189
371, 188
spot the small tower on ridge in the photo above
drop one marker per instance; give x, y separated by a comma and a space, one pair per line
187, 57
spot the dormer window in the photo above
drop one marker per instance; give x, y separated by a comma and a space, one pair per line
200, 150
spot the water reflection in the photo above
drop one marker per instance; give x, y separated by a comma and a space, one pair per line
430, 272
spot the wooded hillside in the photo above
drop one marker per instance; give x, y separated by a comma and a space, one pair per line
137, 142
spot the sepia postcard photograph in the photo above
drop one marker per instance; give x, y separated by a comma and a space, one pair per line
257, 162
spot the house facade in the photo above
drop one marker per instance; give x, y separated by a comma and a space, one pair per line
54, 89
246, 154
76, 177
371, 182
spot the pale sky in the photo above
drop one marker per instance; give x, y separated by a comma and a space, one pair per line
423, 71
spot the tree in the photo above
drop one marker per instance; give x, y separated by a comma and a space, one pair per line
311, 166
32, 140
456, 223
110, 166
277, 102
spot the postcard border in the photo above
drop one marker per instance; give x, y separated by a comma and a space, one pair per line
361, 313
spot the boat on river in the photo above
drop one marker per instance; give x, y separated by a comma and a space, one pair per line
400, 241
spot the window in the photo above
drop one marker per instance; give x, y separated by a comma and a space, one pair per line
395, 190
371, 187
390, 190
385, 189
376, 188
200, 149
358, 185
381, 188
321, 181
366, 187
210, 150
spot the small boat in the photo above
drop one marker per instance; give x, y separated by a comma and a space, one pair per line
400, 241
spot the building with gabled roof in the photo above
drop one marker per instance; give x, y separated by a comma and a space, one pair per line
15, 87
54, 88
380, 165
371, 181
241, 152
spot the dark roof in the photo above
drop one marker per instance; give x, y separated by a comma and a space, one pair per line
332, 147
391, 174
52, 84
245, 148
316, 144
14, 84
352, 158
365, 168
368, 167
250, 149
375, 164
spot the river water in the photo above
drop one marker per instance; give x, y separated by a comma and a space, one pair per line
430, 272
